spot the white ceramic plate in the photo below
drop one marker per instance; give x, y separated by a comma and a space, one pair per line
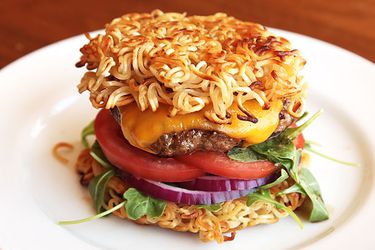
40, 106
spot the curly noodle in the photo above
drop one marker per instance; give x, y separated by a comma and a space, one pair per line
189, 62
233, 216
56, 151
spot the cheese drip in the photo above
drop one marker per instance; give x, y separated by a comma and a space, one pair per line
142, 129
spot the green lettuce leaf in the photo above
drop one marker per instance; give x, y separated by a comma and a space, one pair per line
94, 217
97, 188
282, 151
296, 188
97, 153
243, 155
292, 133
317, 209
88, 130
309, 147
264, 195
283, 176
213, 207
138, 205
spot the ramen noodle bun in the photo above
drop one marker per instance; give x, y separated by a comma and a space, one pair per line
216, 226
190, 62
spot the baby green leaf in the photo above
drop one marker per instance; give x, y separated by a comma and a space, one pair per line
243, 155
97, 216
138, 205
318, 211
278, 151
283, 176
296, 162
302, 116
292, 133
308, 147
213, 207
265, 195
282, 151
97, 188
97, 153
88, 130
296, 188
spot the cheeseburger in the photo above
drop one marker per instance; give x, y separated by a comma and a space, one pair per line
197, 125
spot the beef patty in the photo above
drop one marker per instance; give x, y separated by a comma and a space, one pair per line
185, 142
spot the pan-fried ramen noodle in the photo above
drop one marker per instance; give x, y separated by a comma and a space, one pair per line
190, 62
211, 226
56, 151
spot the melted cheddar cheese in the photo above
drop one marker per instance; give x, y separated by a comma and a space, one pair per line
142, 129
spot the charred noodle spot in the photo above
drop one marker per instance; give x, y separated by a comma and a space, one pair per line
266, 106
189, 62
217, 226
257, 84
247, 118
231, 237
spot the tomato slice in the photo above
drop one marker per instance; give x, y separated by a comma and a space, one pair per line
299, 141
135, 161
220, 164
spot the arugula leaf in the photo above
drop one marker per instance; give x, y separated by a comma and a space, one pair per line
279, 149
138, 205
317, 209
308, 147
88, 130
280, 152
292, 133
310, 143
264, 195
97, 216
97, 187
97, 153
243, 155
296, 161
283, 176
296, 188
302, 116
289, 158
213, 207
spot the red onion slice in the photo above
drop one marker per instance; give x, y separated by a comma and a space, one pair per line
179, 195
218, 183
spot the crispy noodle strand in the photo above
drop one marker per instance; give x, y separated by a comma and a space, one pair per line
189, 62
56, 151
211, 226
